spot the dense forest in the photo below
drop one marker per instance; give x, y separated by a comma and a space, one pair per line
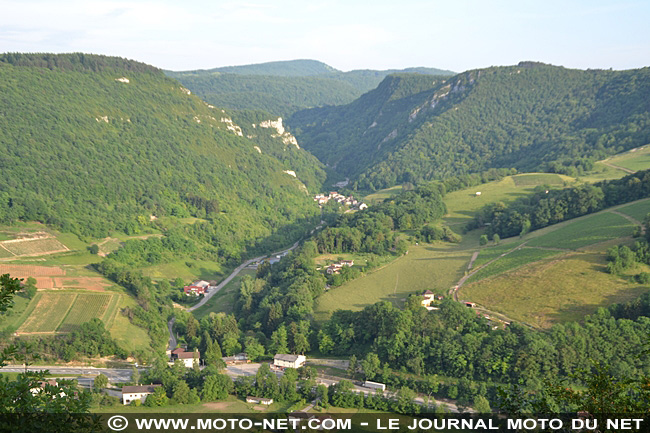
547, 207
95, 144
532, 117
282, 88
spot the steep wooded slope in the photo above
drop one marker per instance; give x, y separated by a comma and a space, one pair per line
530, 116
92, 144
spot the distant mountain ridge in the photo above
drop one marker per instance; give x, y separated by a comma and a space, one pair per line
286, 86
530, 116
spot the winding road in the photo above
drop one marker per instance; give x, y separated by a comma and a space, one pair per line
234, 273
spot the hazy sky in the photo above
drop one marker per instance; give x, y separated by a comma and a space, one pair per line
346, 34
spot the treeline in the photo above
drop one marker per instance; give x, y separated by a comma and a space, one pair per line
153, 306
374, 230
455, 342
546, 207
75, 62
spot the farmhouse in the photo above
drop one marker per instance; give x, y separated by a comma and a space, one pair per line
42, 384
194, 290
259, 400
289, 361
186, 357
199, 287
335, 268
140, 392
428, 297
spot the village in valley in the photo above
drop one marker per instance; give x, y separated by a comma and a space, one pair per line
349, 201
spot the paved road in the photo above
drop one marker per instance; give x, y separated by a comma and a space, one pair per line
113, 374
234, 273
117, 375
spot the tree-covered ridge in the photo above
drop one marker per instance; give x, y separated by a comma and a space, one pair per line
282, 88
281, 96
75, 62
530, 117
287, 68
92, 149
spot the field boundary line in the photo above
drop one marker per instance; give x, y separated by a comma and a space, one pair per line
5, 248
618, 167
74, 301
629, 218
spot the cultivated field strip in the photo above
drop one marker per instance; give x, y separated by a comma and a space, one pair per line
66, 311
49, 313
34, 247
86, 307
24, 271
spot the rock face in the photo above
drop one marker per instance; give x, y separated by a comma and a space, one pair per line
286, 137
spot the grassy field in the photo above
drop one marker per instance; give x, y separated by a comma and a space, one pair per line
514, 260
224, 300
637, 210
33, 247
382, 194
462, 205
635, 159
584, 231
15, 316
535, 179
554, 291
491, 252
436, 266
188, 270
127, 335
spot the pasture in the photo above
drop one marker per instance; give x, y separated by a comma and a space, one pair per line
463, 204
634, 159
516, 259
582, 232
427, 266
637, 210
555, 290
537, 179
382, 194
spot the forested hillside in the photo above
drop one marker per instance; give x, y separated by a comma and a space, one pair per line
94, 144
531, 117
282, 88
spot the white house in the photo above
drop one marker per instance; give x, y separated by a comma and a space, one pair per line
289, 361
259, 400
186, 357
139, 392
